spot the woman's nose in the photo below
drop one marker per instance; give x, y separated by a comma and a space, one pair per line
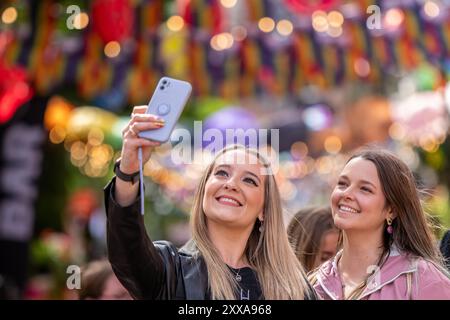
347, 193
231, 185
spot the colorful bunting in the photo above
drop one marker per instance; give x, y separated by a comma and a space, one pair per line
251, 66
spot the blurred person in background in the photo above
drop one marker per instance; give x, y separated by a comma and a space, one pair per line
313, 236
9, 290
445, 248
98, 282
239, 249
388, 247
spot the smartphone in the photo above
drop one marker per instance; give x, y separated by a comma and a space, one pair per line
167, 102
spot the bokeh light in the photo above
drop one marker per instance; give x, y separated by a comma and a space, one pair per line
320, 21
335, 32
362, 67
431, 9
333, 144
57, 113
317, 117
324, 165
57, 134
78, 150
397, 131
335, 19
285, 27
81, 21
239, 33
112, 49
175, 23
394, 18
9, 15
228, 3
95, 136
222, 41
266, 24
299, 150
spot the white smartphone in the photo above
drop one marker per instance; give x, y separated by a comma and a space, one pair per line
167, 102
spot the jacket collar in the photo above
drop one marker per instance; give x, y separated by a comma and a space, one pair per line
397, 264
195, 273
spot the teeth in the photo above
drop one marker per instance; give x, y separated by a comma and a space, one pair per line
223, 199
347, 209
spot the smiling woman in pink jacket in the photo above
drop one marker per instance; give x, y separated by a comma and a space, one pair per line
388, 249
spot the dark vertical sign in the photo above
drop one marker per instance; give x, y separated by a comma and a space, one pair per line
21, 154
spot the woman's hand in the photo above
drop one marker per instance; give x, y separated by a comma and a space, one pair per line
140, 121
125, 192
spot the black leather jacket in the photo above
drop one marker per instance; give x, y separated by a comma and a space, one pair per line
152, 270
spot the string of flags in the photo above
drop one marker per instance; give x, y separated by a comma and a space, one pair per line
120, 48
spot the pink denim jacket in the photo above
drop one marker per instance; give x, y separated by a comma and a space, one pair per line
400, 278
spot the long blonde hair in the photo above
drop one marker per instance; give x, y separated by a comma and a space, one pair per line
280, 274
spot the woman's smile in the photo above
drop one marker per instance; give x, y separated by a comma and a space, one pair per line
228, 201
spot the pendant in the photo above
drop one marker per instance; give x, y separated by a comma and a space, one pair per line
238, 278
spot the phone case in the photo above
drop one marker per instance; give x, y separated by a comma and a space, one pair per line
167, 102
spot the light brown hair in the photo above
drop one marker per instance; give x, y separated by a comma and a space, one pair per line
93, 279
306, 231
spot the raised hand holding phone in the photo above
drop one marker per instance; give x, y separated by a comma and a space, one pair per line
143, 133
167, 103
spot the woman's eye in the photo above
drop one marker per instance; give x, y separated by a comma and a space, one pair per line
342, 183
250, 180
221, 173
365, 189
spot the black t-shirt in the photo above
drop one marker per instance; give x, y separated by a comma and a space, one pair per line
249, 287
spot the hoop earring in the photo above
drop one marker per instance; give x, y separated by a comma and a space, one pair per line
389, 228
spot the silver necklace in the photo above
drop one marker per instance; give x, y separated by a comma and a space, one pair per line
237, 276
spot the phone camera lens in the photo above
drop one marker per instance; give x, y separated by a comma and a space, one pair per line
162, 87
164, 81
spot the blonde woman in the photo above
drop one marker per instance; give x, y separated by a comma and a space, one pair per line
388, 249
239, 248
